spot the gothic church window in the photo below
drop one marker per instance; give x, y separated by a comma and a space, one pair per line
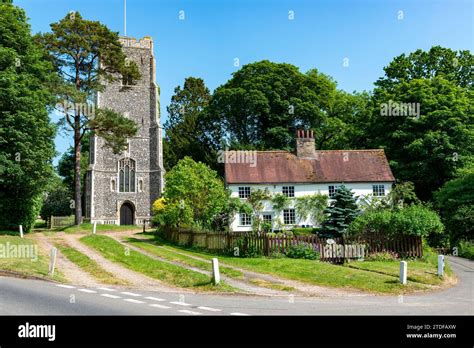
127, 175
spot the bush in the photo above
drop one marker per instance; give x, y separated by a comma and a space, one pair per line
304, 231
466, 249
276, 254
415, 220
384, 255
302, 251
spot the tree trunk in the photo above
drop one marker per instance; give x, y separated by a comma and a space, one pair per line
77, 174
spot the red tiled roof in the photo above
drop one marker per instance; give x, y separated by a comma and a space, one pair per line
328, 166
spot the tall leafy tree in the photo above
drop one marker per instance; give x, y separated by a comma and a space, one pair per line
264, 103
455, 201
194, 191
429, 147
86, 55
342, 211
26, 134
183, 127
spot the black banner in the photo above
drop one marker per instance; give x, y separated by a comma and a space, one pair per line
236, 331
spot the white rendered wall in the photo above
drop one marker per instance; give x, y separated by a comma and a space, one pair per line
359, 189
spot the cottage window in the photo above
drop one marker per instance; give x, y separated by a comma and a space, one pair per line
289, 217
332, 190
245, 219
267, 218
244, 192
289, 191
378, 190
127, 175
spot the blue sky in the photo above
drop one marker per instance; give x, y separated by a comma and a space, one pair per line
370, 33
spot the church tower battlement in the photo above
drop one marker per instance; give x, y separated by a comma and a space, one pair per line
121, 189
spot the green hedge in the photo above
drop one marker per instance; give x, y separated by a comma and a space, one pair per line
466, 249
415, 220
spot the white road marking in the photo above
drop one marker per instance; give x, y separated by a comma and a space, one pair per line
132, 300
65, 286
130, 293
155, 299
156, 305
110, 296
237, 313
180, 303
88, 291
106, 289
209, 309
189, 312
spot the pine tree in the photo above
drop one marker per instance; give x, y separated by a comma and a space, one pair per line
342, 211
87, 55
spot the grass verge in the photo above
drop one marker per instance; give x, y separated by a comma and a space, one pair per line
168, 273
374, 276
187, 260
23, 256
88, 265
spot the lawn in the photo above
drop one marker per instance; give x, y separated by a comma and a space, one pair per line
88, 265
36, 262
168, 273
372, 276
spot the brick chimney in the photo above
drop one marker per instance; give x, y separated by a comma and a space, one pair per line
305, 144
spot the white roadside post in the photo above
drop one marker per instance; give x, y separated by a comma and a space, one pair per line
21, 231
94, 228
403, 272
216, 277
52, 261
440, 265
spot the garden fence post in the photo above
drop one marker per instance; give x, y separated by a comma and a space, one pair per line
52, 262
403, 272
21, 231
216, 277
94, 228
440, 265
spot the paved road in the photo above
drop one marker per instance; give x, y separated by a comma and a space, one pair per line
32, 297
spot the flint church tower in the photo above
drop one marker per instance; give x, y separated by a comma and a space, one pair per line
120, 189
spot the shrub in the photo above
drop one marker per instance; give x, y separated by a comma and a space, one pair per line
302, 251
415, 220
276, 254
466, 249
384, 255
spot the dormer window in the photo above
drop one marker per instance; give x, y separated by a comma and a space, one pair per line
378, 190
127, 175
288, 191
244, 192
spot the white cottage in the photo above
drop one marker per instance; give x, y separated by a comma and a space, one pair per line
310, 171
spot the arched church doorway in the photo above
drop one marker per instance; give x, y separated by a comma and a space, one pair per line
126, 214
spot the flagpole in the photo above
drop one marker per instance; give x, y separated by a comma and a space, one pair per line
125, 17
